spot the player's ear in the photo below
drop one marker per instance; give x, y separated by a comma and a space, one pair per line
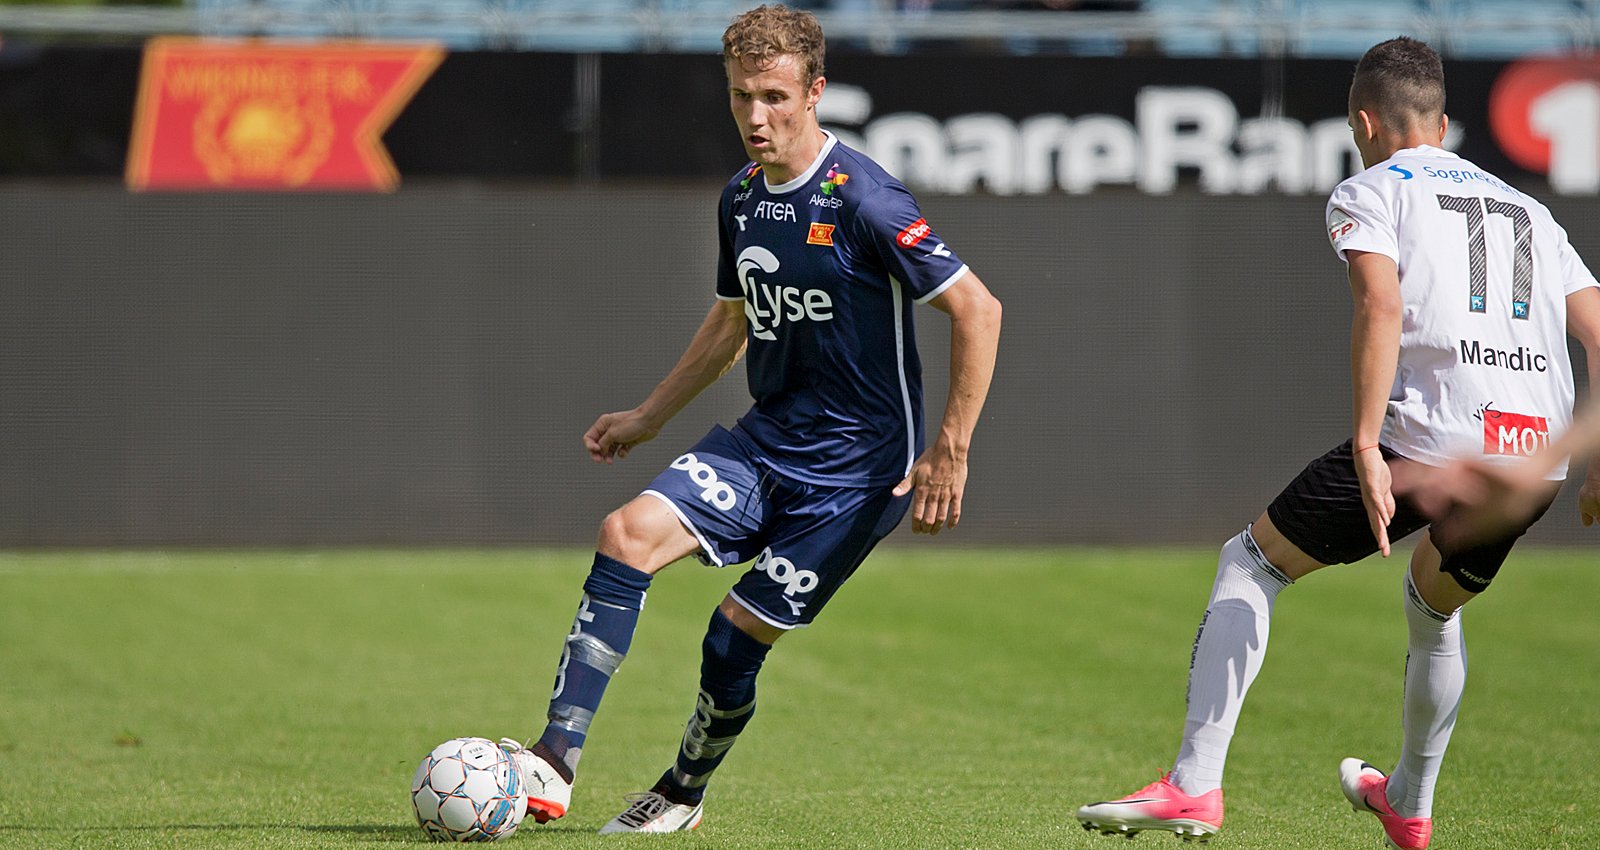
814, 94
1444, 125
1366, 126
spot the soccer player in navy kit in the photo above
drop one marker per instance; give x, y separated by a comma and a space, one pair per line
822, 256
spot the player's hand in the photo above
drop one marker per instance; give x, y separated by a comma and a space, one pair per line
1376, 494
936, 482
1589, 495
613, 435
1470, 502
1439, 491
1467, 501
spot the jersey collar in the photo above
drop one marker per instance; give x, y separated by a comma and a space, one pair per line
803, 179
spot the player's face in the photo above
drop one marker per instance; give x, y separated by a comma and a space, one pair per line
776, 112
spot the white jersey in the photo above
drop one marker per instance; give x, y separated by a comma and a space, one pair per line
1484, 276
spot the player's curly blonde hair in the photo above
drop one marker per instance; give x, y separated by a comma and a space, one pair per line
758, 37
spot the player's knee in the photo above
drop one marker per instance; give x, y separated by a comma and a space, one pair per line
1278, 551
1472, 579
645, 535
622, 538
751, 625
613, 533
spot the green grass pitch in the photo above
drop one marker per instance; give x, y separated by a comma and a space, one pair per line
949, 698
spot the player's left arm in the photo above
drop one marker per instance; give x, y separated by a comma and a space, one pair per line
1583, 322
939, 477
1374, 355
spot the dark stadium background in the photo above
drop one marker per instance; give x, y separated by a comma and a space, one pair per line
416, 368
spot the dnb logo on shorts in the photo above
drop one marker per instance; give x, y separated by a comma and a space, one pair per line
713, 490
784, 572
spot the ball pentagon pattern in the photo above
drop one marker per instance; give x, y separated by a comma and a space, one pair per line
467, 789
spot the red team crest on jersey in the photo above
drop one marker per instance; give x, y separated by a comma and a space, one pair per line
820, 234
915, 232
1514, 433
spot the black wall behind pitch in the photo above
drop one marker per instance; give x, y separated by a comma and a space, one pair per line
418, 368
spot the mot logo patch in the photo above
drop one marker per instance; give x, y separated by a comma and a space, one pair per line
819, 234
1514, 433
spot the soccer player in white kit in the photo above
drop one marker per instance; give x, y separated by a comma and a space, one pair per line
1464, 292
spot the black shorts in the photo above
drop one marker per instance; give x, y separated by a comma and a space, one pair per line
1321, 512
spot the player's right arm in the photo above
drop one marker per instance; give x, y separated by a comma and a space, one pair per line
1583, 322
1374, 355
716, 346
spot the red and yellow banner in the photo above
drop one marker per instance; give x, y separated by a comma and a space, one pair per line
237, 115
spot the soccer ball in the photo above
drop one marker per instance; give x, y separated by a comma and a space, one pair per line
467, 789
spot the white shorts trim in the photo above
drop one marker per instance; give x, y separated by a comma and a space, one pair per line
763, 617
705, 546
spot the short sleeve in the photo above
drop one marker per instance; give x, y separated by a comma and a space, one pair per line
1359, 220
728, 288
888, 220
1574, 274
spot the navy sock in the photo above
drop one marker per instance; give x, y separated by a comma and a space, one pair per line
730, 660
613, 595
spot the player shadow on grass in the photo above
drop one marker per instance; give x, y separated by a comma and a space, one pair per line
380, 832
376, 831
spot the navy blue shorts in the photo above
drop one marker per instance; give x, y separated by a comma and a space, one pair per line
805, 539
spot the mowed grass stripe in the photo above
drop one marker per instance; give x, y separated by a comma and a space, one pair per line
949, 697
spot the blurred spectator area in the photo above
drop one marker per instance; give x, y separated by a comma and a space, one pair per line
1472, 29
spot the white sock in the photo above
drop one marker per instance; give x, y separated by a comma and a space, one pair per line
1436, 674
1228, 650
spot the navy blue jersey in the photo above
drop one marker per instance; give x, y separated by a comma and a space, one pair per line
828, 266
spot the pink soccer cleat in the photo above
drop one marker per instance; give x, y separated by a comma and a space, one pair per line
1365, 787
1159, 805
